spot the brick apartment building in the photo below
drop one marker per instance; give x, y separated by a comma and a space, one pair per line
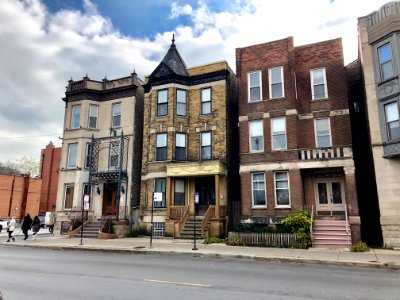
189, 148
295, 138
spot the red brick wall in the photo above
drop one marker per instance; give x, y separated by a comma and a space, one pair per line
49, 173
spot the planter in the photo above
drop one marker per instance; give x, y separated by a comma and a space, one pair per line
106, 236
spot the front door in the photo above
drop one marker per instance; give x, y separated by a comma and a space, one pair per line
205, 186
330, 195
110, 198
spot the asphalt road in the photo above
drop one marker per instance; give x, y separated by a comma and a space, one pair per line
30, 273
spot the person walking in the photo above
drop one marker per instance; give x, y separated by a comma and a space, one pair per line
26, 225
35, 226
11, 228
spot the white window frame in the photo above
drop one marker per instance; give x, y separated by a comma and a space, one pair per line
381, 63
251, 124
316, 132
205, 145
314, 84
252, 190
73, 124
396, 103
166, 145
273, 133
176, 145
66, 186
205, 101
249, 87
280, 82
184, 190
95, 115
115, 113
289, 205
159, 92
69, 165
163, 202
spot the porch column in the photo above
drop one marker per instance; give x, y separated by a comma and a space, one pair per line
351, 191
168, 196
217, 195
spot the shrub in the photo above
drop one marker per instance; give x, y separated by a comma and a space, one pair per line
299, 222
108, 226
213, 240
359, 247
234, 241
256, 228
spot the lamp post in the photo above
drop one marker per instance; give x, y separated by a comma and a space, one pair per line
151, 226
196, 203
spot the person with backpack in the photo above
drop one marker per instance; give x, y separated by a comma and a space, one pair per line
11, 228
35, 226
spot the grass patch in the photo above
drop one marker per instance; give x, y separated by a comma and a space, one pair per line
359, 247
213, 240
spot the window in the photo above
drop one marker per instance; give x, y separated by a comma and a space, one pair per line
256, 136
180, 146
114, 155
206, 145
72, 155
68, 196
278, 133
206, 101
392, 121
75, 116
322, 133
254, 82
181, 102
276, 83
258, 186
318, 82
385, 61
93, 116
162, 103
179, 196
161, 151
116, 115
87, 158
158, 229
160, 187
282, 194
86, 191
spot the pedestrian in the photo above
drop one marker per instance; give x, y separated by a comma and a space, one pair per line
35, 226
26, 225
11, 228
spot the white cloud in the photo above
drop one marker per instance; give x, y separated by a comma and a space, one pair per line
41, 51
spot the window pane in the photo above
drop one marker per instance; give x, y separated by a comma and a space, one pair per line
259, 197
322, 193
257, 143
282, 197
181, 96
206, 108
206, 139
72, 154
87, 160
114, 156
162, 140
281, 175
278, 125
206, 152
318, 76
206, 95
162, 96
69, 196
319, 91
322, 125
180, 140
256, 128
258, 189
385, 53
258, 177
255, 94
254, 79
93, 115
392, 112
276, 75
75, 117
116, 115
387, 70
323, 142
276, 90
181, 109
161, 153
337, 193
162, 109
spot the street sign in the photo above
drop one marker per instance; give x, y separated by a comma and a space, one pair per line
196, 198
86, 204
157, 197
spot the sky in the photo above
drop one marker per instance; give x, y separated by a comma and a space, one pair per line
44, 43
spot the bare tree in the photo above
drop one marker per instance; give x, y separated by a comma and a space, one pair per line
23, 165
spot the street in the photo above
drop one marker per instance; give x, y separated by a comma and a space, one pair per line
30, 273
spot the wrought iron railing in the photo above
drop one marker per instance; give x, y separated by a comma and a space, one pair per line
210, 213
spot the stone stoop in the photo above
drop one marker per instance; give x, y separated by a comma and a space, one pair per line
91, 230
330, 233
187, 231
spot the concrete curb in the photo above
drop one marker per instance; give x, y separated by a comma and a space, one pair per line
148, 251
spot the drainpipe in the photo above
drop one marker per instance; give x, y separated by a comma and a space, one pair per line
11, 197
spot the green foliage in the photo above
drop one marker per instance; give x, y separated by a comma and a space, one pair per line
299, 222
213, 240
255, 228
76, 224
108, 226
360, 247
234, 241
133, 233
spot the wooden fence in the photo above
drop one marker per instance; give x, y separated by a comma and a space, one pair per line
282, 240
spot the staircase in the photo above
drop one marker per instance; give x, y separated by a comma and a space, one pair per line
187, 231
331, 233
91, 230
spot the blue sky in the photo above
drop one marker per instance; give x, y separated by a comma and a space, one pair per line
46, 42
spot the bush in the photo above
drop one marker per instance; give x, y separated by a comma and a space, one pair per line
234, 241
359, 247
213, 240
108, 226
299, 222
255, 228
76, 224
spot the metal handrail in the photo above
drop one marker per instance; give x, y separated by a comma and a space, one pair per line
209, 213
347, 225
312, 220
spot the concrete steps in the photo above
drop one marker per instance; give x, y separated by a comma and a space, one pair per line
331, 233
188, 231
91, 230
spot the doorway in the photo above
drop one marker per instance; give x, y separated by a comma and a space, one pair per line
330, 196
205, 186
110, 198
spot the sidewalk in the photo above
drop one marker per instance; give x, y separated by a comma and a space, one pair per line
379, 258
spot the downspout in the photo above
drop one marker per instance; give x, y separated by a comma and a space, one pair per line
11, 197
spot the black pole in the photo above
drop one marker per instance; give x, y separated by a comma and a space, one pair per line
151, 227
194, 227
81, 243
